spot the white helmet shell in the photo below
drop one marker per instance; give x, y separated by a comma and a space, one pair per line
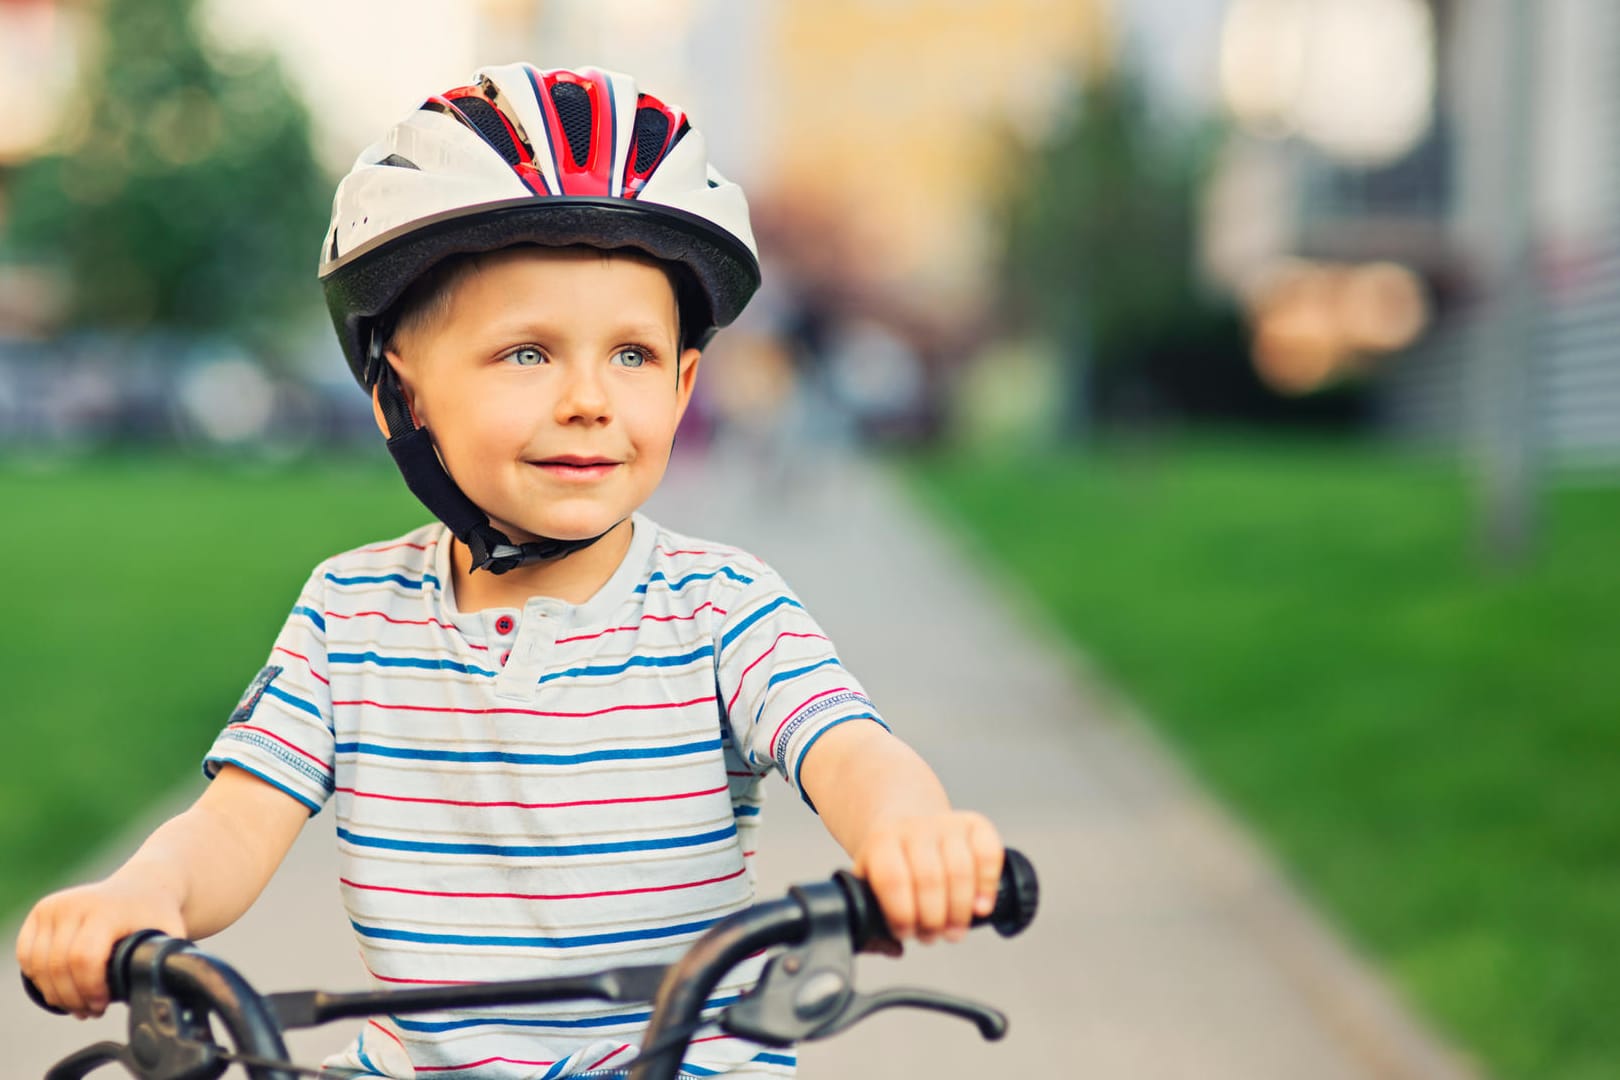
522, 155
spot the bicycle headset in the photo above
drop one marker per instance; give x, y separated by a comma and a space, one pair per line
522, 155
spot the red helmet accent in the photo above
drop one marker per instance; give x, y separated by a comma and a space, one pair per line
647, 149
578, 107
477, 106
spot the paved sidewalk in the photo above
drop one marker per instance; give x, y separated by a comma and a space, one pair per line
1166, 947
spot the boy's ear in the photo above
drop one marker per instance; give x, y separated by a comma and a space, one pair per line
393, 361
687, 378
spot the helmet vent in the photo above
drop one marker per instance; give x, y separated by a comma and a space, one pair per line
573, 104
400, 162
489, 124
652, 128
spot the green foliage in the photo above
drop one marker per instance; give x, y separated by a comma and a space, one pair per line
187, 195
1430, 747
120, 666
1098, 236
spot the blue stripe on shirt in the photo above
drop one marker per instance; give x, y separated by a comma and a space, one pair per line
378, 579
536, 941
312, 615
702, 653
507, 757
431, 663
522, 851
296, 702
639, 1017
755, 616
784, 676
675, 586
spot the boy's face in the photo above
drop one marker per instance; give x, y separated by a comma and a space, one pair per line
550, 386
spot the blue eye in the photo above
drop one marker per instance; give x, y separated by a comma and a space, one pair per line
526, 356
631, 357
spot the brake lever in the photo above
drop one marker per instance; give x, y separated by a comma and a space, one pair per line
808, 991
167, 1040
991, 1022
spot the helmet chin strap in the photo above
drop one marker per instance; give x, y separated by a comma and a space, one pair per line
412, 449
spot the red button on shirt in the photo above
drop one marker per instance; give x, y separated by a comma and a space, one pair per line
503, 625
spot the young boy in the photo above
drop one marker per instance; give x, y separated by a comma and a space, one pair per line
543, 721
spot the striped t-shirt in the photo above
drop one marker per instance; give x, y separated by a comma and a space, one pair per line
540, 791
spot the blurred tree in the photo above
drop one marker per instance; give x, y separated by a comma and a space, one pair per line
184, 194
1099, 238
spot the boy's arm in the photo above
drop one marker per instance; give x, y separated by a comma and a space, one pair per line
933, 868
194, 876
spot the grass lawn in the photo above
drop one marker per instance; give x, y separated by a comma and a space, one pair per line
143, 595
1433, 748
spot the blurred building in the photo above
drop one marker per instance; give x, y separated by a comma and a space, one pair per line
1430, 190
898, 118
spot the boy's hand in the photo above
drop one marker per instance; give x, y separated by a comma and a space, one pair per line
67, 939
932, 873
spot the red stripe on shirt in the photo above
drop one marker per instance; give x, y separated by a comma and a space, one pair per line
530, 805
644, 618
305, 659
385, 1031
400, 544
542, 896
609, 1058
744, 676
390, 618
481, 1061
418, 982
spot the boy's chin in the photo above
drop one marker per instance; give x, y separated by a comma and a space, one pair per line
568, 529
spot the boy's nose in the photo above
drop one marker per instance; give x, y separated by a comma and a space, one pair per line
584, 398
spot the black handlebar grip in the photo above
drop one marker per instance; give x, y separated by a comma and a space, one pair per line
1018, 894
117, 966
38, 998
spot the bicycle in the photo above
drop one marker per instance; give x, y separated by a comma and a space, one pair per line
805, 991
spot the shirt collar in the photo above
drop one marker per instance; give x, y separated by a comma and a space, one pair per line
620, 586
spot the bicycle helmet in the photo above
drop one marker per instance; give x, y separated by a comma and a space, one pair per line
523, 155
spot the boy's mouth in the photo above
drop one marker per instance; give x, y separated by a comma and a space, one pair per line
576, 467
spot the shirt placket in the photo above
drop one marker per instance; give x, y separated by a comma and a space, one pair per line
530, 652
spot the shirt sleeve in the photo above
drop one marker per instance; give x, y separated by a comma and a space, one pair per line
281, 729
781, 683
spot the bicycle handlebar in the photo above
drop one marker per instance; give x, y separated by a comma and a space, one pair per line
806, 992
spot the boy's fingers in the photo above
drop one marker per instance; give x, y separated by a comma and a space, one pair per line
25, 945
988, 855
30, 956
51, 978
890, 881
87, 965
961, 884
928, 878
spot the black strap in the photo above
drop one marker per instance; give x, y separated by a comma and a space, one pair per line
412, 450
